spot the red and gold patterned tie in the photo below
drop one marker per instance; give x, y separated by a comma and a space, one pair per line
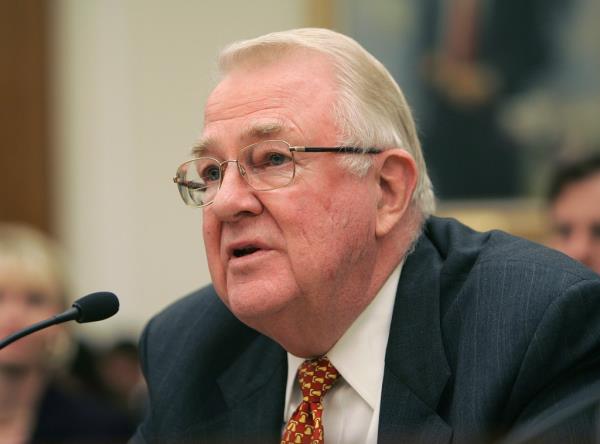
316, 377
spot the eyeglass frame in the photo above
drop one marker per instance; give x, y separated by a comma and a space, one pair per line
293, 149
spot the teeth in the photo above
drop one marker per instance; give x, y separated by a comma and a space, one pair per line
239, 252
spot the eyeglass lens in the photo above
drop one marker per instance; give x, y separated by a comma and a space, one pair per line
265, 166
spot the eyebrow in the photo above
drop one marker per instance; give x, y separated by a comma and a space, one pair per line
256, 130
202, 145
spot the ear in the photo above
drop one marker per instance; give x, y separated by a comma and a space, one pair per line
397, 178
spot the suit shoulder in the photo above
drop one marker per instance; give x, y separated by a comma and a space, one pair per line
462, 249
197, 322
504, 276
203, 300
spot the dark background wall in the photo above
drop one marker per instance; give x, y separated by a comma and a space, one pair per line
25, 191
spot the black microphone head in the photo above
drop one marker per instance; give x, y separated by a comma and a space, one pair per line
96, 306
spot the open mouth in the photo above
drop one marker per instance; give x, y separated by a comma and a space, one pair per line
241, 252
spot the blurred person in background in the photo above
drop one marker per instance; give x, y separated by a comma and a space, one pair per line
34, 406
122, 378
574, 209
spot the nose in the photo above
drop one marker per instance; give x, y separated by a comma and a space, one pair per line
235, 197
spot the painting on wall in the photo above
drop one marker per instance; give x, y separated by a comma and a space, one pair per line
500, 89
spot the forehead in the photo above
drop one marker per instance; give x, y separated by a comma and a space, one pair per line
581, 197
290, 97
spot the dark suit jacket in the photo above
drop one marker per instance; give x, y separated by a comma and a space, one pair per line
488, 331
64, 417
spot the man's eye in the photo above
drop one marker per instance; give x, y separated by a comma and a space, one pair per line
271, 159
212, 173
277, 159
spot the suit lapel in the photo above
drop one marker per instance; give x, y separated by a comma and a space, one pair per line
253, 388
416, 369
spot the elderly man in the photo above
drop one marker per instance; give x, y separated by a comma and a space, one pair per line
340, 310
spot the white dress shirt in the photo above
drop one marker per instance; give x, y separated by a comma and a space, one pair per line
351, 407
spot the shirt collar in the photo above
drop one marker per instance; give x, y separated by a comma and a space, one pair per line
359, 355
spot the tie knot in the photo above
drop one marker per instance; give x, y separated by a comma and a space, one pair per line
316, 377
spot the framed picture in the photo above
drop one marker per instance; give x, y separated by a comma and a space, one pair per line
500, 90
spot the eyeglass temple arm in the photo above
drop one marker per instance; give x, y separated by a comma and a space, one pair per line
337, 149
187, 183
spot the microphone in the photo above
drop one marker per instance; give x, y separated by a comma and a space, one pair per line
93, 307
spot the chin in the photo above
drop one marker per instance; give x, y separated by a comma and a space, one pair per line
254, 303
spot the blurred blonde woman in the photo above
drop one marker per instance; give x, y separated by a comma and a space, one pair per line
33, 408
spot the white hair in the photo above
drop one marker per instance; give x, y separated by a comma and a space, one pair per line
371, 110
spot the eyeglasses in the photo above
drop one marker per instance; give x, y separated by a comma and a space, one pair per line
265, 166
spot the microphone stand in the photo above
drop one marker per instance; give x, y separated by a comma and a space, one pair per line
69, 315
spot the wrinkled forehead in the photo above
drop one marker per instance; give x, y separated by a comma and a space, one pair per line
256, 101
250, 130
270, 54
265, 79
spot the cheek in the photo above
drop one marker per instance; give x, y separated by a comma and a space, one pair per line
212, 246
324, 232
211, 242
